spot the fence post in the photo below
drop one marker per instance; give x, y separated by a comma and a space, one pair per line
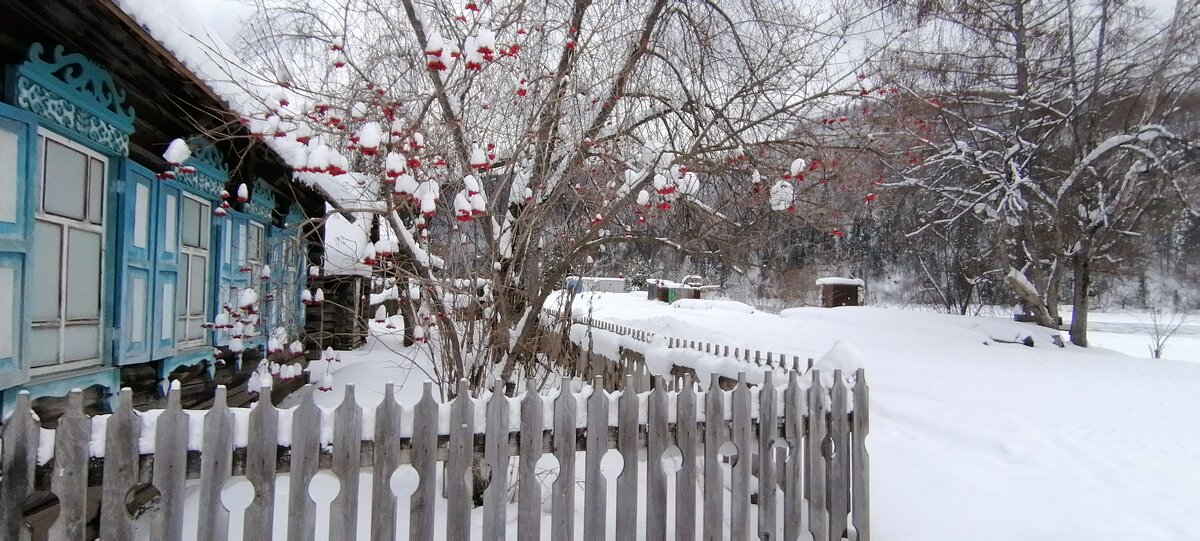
387, 459
20, 435
69, 481
457, 473
215, 468
818, 513
261, 455
424, 460
714, 484
656, 478
839, 473
170, 468
562, 524
496, 454
529, 498
347, 450
595, 493
739, 498
767, 484
306, 450
627, 444
793, 406
861, 498
685, 479
120, 468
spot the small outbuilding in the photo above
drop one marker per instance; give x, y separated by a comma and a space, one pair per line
837, 291
669, 292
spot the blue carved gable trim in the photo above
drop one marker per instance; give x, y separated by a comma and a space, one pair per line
211, 172
69, 90
262, 202
294, 216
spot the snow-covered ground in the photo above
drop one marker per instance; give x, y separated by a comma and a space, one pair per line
973, 438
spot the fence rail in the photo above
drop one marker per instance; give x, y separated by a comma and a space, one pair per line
817, 483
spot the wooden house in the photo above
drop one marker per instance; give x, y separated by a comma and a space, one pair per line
109, 274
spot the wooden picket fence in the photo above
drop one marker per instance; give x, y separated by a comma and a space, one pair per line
801, 452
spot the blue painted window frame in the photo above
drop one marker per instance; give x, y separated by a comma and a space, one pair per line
15, 239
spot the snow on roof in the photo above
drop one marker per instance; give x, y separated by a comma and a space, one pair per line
177, 26
839, 281
345, 242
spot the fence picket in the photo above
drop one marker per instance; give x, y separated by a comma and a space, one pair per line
627, 444
120, 468
714, 483
215, 469
595, 496
170, 469
529, 498
562, 525
818, 514
739, 498
496, 455
685, 479
767, 482
347, 447
657, 440
424, 460
306, 449
838, 486
20, 436
387, 459
70, 470
262, 451
793, 501
860, 499
457, 473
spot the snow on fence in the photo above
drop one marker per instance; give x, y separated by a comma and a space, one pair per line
799, 447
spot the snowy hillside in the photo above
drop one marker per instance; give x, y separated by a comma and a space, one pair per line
975, 437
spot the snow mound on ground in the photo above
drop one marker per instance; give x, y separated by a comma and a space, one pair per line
713, 304
842, 356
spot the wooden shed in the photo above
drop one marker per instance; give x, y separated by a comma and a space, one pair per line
837, 291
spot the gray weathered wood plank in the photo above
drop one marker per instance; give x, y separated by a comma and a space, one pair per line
122, 432
20, 435
424, 460
347, 445
685, 478
170, 469
657, 440
387, 459
839, 473
595, 488
818, 511
457, 473
742, 437
215, 467
793, 411
262, 449
627, 444
562, 523
529, 497
496, 456
767, 482
861, 496
715, 434
306, 449
70, 470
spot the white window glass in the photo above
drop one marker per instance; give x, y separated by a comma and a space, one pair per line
67, 258
82, 342
192, 231
141, 216
43, 346
8, 331
8, 176
95, 202
171, 225
167, 322
83, 274
45, 278
64, 191
197, 272
137, 287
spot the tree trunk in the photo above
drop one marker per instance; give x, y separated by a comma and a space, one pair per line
1082, 267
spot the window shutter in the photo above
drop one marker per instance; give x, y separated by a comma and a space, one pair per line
18, 158
168, 209
135, 268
